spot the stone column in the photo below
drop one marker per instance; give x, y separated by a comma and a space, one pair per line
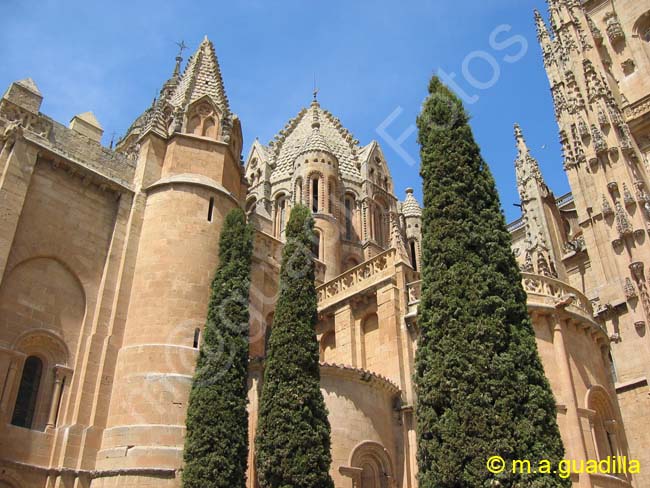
14, 182
61, 374
574, 433
345, 338
15, 362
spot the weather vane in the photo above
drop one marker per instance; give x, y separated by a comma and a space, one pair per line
181, 47
315, 88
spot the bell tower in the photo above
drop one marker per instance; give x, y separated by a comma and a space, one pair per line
187, 146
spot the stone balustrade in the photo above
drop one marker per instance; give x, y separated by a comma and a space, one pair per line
545, 290
541, 290
367, 274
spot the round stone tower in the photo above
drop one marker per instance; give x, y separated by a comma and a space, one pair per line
191, 177
318, 184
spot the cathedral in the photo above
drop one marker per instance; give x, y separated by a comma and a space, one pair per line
107, 254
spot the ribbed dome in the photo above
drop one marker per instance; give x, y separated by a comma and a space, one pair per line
313, 129
315, 142
410, 206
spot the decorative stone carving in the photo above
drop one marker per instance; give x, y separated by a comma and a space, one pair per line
627, 195
575, 245
641, 195
595, 31
602, 118
629, 289
583, 129
637, 271
607, 208
20, 118
598, 139
628, 67
623, 226
614, 28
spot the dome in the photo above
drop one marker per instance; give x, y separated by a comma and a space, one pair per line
410, 206
313, 129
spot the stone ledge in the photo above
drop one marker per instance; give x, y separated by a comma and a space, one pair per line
631, 385
92, 474
193, 179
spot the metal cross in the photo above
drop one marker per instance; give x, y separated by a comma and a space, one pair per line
181, 47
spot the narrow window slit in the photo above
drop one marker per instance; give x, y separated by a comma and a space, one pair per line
197, 337
210, 209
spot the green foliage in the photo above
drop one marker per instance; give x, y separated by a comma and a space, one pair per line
480, 383
293, 436
216, 444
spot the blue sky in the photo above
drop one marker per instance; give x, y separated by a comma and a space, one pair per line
372, 60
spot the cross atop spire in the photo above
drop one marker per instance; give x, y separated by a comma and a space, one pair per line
179, 57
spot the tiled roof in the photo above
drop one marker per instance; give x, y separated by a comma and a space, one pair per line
202, 76
411, 207
299, 135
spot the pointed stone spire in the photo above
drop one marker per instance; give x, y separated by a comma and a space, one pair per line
544, 39
526, 167
538, 255
397, 241
202, 77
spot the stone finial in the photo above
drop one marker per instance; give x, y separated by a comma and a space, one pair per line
25, 94
410, 206
87, 125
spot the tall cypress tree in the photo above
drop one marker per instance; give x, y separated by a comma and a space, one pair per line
480, 384
293, 437
216, 443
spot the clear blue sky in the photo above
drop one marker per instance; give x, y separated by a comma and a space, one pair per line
371, 59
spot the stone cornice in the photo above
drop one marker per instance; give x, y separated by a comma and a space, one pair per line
196, 180
360, 375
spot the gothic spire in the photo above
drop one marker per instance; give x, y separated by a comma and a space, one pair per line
539, 255
202, 77
526, 167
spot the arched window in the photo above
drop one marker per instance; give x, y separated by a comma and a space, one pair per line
194, 127
28, 393
413, 252
350, 263
331, 189
327, 347
280, 215
314, 194
380, 224
210, 128
250, 205
349, 213
604, 427
315, 248
375, 465
297, 192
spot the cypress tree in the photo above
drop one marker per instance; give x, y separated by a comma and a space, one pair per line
293, 436
216, 443
481, 388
